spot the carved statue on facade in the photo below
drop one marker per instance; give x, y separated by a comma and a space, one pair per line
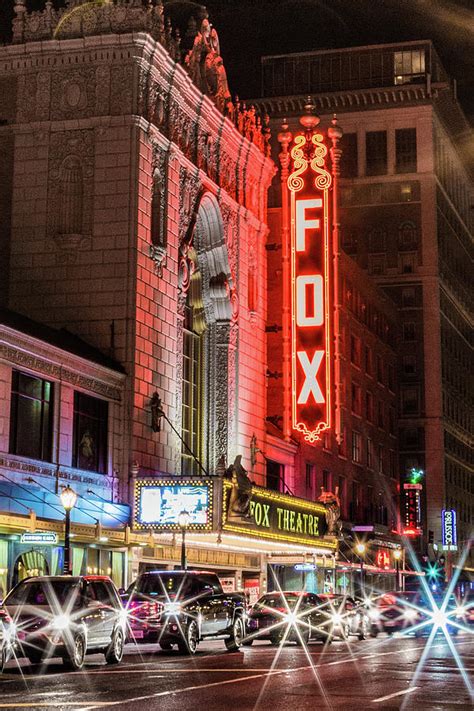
241, 492
206, 67
332, 504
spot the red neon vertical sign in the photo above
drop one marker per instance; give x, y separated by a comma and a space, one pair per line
310, 287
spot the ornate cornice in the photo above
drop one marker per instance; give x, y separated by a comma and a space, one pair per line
27, 352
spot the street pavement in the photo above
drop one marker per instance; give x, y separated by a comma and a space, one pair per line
382, 673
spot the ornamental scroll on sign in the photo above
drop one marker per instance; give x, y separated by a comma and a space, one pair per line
309, 183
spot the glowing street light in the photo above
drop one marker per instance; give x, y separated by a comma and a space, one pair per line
183, 523
397, 554
68, 499
360, 549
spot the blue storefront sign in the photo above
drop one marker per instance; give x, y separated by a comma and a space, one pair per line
449, 528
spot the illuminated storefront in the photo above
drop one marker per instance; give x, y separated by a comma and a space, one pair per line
252, 551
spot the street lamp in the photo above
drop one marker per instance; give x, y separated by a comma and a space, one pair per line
397, 554
360, 550
183, 522
68, 499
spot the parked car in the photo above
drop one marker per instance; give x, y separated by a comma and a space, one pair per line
67, 616
347, 617
7, 638
394, 612
183, 607
294, 616
465, 607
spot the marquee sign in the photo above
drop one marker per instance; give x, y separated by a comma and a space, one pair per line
449, 529
158, 503
310, 280
412, 509
278, 517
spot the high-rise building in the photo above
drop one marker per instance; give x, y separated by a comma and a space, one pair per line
407, 220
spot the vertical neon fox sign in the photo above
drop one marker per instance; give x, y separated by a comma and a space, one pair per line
309, 184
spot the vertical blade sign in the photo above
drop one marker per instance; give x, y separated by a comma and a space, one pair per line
309, 184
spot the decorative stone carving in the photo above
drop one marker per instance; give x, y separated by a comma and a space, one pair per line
121, 88
70, 191
102, 90
43, 96
73, 93
158, 225
206, 66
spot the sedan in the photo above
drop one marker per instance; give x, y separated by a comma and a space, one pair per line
287, 616
66, 616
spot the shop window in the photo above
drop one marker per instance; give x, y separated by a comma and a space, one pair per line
31, 417
356, 447
275, 480
90, 433
349, 163
405, 150
376, 152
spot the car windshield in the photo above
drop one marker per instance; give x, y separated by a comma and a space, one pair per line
46, 593
279, 600
164, 585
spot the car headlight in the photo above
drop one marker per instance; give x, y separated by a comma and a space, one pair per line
410, 614
336, 618
61, 623
374, 614
460, 612
172, 608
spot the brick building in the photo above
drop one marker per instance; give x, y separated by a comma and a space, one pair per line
406, 219
134, 197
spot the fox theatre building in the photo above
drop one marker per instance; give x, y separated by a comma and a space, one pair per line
256, 539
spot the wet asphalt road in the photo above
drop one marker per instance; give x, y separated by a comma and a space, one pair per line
382, 673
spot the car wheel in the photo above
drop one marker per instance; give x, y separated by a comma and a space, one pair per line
114, 653
3, 658
302, 638
165, 645
345, 630
247, 642
189, 644
76, 655
234, 642
364, 628
35, 656
276, 638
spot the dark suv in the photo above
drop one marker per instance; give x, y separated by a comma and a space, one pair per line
67, 616
183, 607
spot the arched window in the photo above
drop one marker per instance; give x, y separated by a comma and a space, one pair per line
71, 197
193, 372
407, 235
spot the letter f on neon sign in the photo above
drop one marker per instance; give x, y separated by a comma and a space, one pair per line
310, 385
303, 223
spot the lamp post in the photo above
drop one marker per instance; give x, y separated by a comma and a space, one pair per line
68, 499
183, 522
397, 554
360, 550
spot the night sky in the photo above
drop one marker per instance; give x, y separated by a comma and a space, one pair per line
249, 29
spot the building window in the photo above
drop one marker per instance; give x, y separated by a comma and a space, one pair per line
409, 66
252, 282
349, 166
275, 480
392, 463
377, 241
192, 384
391, 420
349, 241
309, 478
326, 480
355, 503
407, 235
377, 264
409, 331
409, 365
405, 150
410, 402
408, 296
90, 433
380, 414
356, 447
356, 399
369, 361
369, 406
370, 453
31, 417
407, 262
380, 457
355, 350
376, 152
380, 369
